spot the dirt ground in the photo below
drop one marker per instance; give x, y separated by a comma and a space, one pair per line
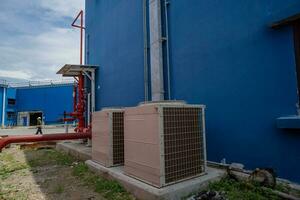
47, 174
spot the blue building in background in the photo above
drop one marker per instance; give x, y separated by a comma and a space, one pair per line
21, 105
240, 58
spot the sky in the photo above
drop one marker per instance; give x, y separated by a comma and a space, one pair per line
37, 38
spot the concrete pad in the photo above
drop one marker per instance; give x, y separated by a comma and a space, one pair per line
144, 191
75, 149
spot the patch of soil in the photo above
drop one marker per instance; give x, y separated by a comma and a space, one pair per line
46, 182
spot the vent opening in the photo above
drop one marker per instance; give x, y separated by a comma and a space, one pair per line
183, 143
118, 138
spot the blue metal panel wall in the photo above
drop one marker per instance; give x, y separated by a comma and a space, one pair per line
53, 101
222, 54
10, 120
11, 93
115, 43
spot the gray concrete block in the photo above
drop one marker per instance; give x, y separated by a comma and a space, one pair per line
144, 191
75, 149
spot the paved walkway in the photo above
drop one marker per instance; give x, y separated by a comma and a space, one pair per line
32, 130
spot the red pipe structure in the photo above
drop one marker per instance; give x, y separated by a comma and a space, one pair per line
74, 97
38, 138
79, 107
81, 27
82, 132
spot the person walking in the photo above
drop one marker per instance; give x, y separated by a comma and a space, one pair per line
39, 126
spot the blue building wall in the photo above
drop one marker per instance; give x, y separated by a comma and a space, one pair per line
115, 43
223, 55
52, 100
11, 109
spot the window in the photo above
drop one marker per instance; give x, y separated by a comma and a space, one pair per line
11, 101
11, 115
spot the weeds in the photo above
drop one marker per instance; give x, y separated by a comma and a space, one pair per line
242, 190
111, 190
47, 157
9, 165
59, 189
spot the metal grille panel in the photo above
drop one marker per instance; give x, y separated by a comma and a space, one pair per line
118, 138
183, 143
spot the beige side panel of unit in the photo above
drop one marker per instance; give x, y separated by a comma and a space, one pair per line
108, 137
141, 144
101, 138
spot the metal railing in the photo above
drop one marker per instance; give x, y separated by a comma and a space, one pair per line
35, 83
3, 82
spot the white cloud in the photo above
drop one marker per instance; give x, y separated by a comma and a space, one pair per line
15, 74
67, 8
34, 46
41, 55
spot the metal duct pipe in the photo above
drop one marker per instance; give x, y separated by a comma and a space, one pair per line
167, 47
39, 138
156, 51
146, 82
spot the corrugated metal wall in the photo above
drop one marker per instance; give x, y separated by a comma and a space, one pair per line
52, 100
222, 54
115, 43
10, 109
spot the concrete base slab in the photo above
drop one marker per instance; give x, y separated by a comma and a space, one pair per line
75, 149
144, 191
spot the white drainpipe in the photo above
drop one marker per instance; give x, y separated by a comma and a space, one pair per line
3, 107
156, 51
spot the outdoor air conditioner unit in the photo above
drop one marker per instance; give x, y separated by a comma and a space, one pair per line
108, 137
164, 142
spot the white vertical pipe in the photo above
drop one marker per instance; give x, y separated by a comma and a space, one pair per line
146, 82
156, 51
168, 49
3, 107
91, 100
89, 108
93, 91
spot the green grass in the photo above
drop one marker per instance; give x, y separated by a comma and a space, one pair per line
285, 188
59, 189
110, 190
44, 157
8, 165
242, 190
10, 192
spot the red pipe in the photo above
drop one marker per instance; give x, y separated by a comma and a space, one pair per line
81, 104
74, 97
79, 107
81, 27
81, 36
38, 138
